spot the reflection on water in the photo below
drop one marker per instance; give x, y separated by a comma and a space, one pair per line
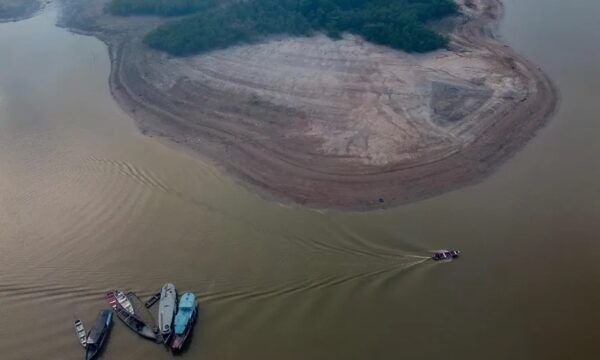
88, 205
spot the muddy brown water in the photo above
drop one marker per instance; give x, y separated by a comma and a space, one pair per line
88, 204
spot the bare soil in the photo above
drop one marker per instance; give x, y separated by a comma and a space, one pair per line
334, 124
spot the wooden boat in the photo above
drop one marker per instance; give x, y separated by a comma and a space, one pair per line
98, 334
118, 297
153, 300
124, 301
80, 331
136, 324
166, 310
131, 320
184, 320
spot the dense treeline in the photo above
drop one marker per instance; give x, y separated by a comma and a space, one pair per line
399, 24
158, 7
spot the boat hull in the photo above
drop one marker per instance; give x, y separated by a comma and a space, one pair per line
124, 301
132, 321
98, 334
166, 337
91, 353
166, 310
81, 333
179, 341
135, 324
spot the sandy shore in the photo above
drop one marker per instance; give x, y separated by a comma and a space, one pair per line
15, 10
334, 124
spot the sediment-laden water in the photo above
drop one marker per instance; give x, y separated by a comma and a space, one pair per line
88, 204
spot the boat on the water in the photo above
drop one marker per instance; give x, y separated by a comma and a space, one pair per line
445, 255
152, 300
131, 320
136, 324
124, 301
97, 336
118, 297
184, 320
167, 308
80, 331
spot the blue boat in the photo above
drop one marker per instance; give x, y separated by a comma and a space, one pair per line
184, 320
98, 334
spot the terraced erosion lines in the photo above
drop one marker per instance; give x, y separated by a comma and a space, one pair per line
334, 124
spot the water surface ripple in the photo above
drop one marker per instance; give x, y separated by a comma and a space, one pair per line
89, 204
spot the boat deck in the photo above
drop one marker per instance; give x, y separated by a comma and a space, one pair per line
141, 311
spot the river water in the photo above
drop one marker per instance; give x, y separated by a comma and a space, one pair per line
87, 204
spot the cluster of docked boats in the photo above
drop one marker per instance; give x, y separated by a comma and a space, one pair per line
175, 320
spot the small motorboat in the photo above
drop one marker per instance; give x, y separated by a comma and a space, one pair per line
152, 300
131, 320
80, 331
166, 311
98, 334
445, 255
184, 320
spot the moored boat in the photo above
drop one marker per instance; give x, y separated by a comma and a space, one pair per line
166, 311
117, 297
184, 320
80, 331
152, 300
98, 333
132, 321
124, 301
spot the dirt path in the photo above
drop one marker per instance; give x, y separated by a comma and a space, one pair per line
334, 124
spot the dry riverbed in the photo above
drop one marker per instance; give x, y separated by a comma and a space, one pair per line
334, 124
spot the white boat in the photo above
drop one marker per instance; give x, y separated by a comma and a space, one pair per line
124, 301
81, 334
166, 310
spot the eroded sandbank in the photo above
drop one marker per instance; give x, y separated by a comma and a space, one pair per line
334, 124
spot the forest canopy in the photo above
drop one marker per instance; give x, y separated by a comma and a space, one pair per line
214, 24
158, 7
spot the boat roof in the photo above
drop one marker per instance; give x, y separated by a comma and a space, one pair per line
168, 286
188, 300
187, 306
99, 326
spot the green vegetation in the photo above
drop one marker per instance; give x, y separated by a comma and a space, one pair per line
400, 24
158, 7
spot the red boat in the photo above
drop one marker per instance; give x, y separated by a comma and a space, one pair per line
445, 255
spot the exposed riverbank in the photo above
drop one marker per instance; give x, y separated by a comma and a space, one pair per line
334, 124
15, 10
